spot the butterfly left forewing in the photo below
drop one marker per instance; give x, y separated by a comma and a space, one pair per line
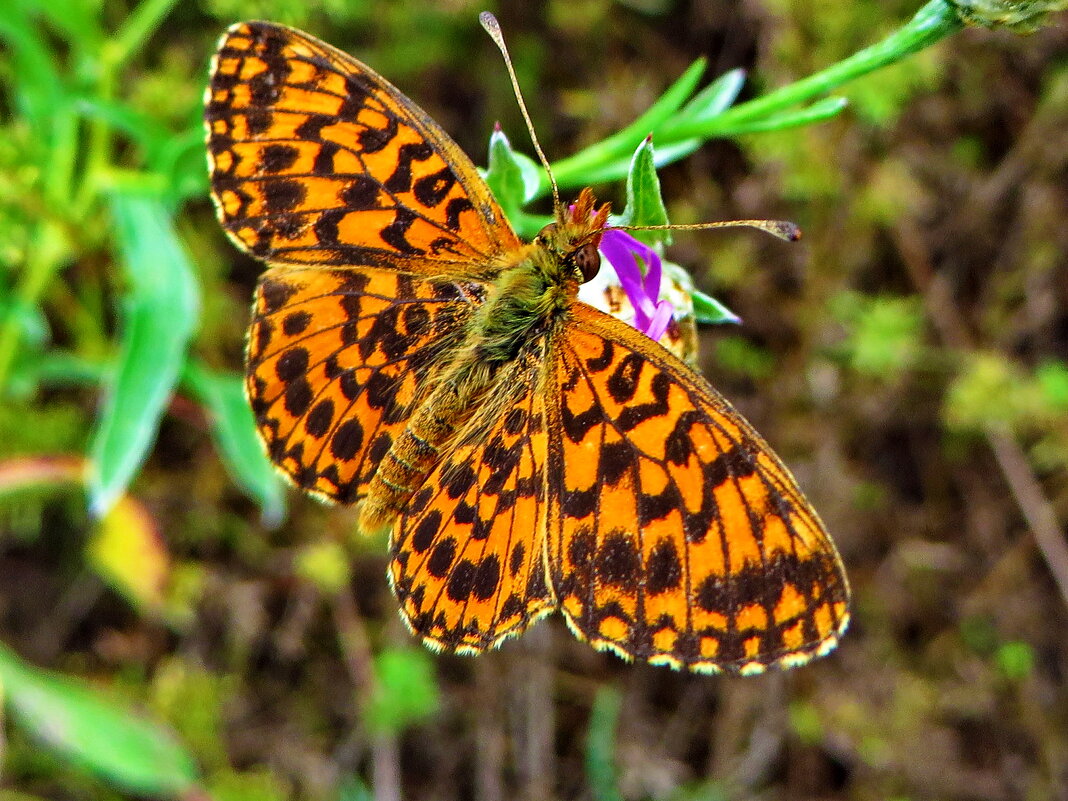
676, 536
317, 159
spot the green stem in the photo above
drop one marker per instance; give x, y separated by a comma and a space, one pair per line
43, 259
932, 23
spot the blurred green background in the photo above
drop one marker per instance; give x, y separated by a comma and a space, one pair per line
214, 636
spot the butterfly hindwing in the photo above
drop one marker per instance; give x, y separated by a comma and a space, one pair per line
468, 552
337, 361
675, 534
317, 159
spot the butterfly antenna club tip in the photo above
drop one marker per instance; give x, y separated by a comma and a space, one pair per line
493, 28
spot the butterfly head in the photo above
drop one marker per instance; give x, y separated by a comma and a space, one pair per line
574, 239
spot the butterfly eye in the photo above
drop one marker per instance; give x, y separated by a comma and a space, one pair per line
587, 260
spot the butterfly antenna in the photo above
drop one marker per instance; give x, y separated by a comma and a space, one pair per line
493, 28
780, 228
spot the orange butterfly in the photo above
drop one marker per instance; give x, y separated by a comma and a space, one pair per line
410, 355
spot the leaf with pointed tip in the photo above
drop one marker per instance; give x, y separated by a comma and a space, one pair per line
159, 313
94, 733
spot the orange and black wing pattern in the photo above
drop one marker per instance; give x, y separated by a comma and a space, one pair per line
317, 159
338, 359
676, 536
468, 553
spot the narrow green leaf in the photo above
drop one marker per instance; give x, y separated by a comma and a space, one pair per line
38, 89
619, 168
574, 170
234, 432
706, 309
819, 111
714, 99
601, 770
159, 313
93, 733
645, 205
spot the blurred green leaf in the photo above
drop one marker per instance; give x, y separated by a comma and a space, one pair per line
94, 733
738, 354
406, 690
325, 564
1052, 378
234, 431
1015, 660
885, 332
601, 770
160, 310
39, 91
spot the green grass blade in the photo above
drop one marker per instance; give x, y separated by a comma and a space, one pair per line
234, 431
93, 733
160, 310
601, 770
38, 91
573, 171
715, 98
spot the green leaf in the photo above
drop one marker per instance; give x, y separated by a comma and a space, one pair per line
514, 179
601, 770
159, 313
513, 176
715, 98
95, 734
1052, 379
819, 111
234, 432
39, 90
575, 170
405, 691
645, 204
706, 309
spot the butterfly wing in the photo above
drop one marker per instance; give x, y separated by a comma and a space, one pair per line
338, 359
676, 535
316, 159
468, 551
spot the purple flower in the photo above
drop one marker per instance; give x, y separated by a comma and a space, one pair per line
627, 255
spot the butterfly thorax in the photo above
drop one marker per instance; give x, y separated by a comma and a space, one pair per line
529, 299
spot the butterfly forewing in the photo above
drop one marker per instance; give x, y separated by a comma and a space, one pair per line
675, 535
317, 159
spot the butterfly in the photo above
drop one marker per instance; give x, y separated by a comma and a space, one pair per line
527, 453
